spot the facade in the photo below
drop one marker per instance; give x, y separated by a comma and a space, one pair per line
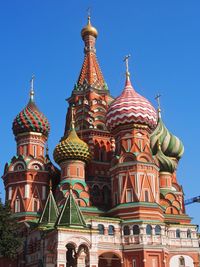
115, 200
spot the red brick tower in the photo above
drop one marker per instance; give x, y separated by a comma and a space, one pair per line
134, 174
26, 177
91, 98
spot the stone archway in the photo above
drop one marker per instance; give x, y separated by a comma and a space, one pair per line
109, 259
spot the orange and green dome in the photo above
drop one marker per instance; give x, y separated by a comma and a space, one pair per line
71, 147
30, 119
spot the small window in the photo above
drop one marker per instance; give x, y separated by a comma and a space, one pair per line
128, 144
101, 229
149, 229
157, 230
9, 193
126, 230
111, 230
178, 233
136, 230
26, 191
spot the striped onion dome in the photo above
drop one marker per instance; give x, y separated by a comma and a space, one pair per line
171, 145
30, 119
166, 164
130, 107
71, 147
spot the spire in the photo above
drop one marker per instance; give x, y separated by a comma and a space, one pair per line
71, 215
32, 89
157, 98
72, 118
90, 74
50, 212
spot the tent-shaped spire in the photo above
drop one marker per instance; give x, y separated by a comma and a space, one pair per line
50, 212
71, 215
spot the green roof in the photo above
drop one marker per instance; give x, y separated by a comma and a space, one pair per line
50, 212
71, 215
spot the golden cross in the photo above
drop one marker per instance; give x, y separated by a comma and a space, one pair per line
32, 87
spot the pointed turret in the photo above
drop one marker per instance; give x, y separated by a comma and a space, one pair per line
71, 215
50, 212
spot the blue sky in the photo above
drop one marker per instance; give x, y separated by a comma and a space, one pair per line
163, 38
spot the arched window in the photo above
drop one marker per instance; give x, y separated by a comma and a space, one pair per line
178, 233
136, 230
101, 229
106, 194
157, 230
71, 256
181, 262
126, 230
149, 229
188, 233
111, 230
35, 205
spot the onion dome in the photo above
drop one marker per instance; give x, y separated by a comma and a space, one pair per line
30, 119
171, 145
89, 30
166, 164
130, 107
71, 148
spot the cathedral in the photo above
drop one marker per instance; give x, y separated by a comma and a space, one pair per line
114, 200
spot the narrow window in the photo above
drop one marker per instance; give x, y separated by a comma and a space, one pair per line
111, 230
101, 229
34, 152
188, 233
129, 144
17, 205
35, 205
134, 263
136, 230
26, 191
129, 195
43, 192
149, 229
77, 171
157, 230
126, 230
178, 233
146, 196
10, 193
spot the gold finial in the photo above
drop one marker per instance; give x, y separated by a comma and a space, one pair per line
157, 98
127, 66
32, 88
72, 118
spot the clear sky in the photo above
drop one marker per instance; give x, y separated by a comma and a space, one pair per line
163, 38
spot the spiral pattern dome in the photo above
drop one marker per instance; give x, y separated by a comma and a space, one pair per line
130, 107
171, 145
71, 147
30, 119
166, 164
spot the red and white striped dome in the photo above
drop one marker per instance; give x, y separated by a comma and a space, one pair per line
130, 107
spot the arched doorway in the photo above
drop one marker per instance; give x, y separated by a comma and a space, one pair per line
109, 259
